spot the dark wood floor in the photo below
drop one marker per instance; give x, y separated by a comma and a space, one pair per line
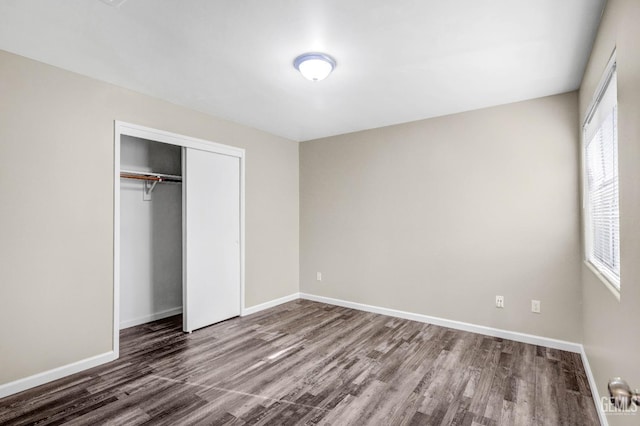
310, 363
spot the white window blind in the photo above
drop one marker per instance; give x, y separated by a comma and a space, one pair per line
602, 229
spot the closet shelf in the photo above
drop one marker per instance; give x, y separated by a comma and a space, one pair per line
150, 179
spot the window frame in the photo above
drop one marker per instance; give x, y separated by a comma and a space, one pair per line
607, 279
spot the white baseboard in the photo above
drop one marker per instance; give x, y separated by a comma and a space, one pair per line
458, 325
148, 318
54, 374
270, 304
594, 388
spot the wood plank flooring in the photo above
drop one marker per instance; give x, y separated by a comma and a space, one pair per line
309, 363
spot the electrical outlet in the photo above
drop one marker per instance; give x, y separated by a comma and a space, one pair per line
499, 301
319, 276
535, 306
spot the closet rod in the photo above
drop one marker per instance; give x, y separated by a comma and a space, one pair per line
150, 176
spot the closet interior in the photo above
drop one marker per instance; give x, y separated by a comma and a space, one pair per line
151, 237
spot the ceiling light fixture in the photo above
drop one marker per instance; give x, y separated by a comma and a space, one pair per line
314, 66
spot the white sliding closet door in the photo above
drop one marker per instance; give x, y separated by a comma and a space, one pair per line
211, 220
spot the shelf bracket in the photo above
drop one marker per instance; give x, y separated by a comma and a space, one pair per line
149, 186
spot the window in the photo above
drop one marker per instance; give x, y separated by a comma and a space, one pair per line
600, 180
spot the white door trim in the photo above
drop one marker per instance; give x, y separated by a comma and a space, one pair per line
128, 129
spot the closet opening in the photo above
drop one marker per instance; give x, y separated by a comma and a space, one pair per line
150, 231
178, 229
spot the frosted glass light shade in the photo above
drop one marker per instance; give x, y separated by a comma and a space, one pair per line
314, 66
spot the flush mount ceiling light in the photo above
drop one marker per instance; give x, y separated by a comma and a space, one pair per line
314, 66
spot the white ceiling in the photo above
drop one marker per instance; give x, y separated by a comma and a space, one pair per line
398, 61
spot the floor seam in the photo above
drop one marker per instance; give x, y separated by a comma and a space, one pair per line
200, 385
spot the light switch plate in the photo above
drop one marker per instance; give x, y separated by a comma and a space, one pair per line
535, 306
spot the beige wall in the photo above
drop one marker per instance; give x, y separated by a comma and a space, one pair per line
611, 334
439, 216
56, 212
